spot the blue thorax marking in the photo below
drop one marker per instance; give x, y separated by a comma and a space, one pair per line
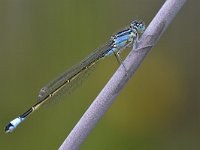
121, 40
121, 33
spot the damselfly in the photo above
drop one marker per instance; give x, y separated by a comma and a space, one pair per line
115, 45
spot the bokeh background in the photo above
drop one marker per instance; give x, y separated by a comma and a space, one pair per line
158, 109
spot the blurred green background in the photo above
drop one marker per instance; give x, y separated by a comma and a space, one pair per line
158, 109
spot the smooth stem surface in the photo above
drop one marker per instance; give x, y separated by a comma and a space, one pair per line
106, 97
